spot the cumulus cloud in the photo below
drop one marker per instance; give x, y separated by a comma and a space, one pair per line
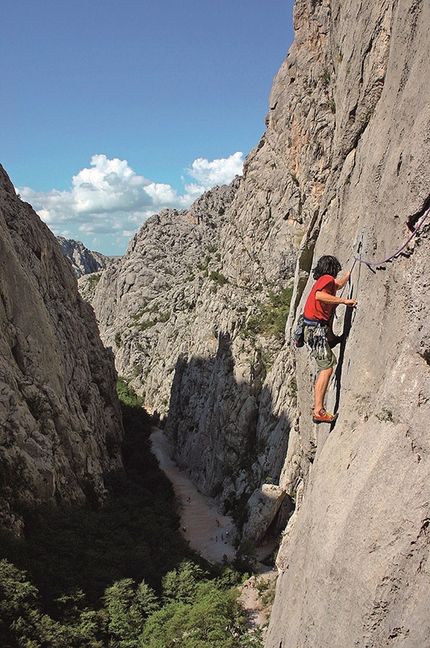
108, 201
218, 172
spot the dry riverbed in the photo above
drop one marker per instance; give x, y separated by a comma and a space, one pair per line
207, 531
212, 534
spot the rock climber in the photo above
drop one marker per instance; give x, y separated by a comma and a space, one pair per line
318, 316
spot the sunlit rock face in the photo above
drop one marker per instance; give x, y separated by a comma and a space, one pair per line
60, 422
84, 261
354, 558
342, 168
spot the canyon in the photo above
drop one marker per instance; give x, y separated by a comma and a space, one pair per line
342, 168
198, 317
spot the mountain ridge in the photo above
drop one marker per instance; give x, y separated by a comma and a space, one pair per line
84, 261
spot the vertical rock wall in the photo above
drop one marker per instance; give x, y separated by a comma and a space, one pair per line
60, 422
354, 559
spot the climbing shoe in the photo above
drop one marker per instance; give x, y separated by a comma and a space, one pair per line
324, 416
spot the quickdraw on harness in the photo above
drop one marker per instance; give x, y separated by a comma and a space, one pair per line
316, 338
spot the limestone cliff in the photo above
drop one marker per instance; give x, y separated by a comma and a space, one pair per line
83, 260
354, 560
343, 167
60, 422
178, 327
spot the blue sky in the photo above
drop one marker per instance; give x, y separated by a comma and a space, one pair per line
114, 110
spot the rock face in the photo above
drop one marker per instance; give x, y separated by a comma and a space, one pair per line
60, 422
354, 560
84, 261
178, 327
342, 168
264, 504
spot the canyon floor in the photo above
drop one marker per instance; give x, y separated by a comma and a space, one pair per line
210, 533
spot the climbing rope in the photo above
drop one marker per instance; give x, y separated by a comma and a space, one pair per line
392, 256
349, 313
358, 259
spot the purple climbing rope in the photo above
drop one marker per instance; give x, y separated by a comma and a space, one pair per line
378, 263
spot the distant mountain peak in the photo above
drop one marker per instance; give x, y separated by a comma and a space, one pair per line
84, 261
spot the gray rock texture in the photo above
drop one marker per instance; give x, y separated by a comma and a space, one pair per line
83, 260
179, 328
354, 559
263, 505
60, 422
343, 168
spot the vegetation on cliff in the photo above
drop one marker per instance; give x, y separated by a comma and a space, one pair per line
194, 609
119, 575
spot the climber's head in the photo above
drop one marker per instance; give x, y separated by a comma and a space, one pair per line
326, 265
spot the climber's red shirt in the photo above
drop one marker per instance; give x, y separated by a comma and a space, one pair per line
316, 310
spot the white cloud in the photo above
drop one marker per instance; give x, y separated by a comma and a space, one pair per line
108, 202
218, 172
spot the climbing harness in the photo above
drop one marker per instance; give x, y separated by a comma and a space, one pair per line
317, 334
315, 337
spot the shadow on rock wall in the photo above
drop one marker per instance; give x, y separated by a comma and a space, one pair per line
223, 429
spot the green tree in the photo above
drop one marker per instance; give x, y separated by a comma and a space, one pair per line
18, 603
213, 620
23, 625
181, 584
127, 608
164, 627
246, 557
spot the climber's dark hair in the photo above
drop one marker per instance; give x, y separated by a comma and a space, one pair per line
326, 265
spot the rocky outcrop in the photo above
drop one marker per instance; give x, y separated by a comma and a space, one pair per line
179, 328
83, 260
352, 562
343, 167
60, 422
263, 505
